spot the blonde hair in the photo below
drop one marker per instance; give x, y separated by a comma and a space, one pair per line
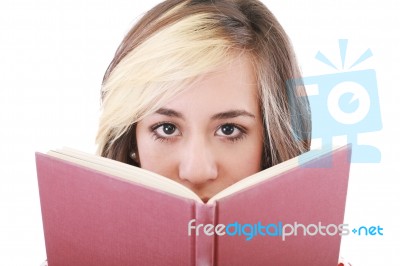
179, 40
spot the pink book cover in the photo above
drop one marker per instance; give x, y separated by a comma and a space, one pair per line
309, 195
92, 218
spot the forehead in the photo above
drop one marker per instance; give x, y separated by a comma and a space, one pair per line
232, 85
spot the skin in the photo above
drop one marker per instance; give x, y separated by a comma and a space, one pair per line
210, 136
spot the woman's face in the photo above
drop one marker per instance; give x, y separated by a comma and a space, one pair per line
208, 137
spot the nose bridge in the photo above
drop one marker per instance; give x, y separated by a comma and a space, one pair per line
198, 163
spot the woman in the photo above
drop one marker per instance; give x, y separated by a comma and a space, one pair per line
201, 92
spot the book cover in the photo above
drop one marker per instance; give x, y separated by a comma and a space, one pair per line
92, 217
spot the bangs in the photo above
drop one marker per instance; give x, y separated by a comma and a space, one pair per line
160, 68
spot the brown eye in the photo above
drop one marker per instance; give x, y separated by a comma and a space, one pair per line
168, 129
227, 129
230, 131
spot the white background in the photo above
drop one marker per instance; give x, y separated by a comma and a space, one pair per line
52, 58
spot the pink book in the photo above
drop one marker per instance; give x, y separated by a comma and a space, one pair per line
98, 211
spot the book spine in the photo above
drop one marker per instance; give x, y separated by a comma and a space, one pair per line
204, 244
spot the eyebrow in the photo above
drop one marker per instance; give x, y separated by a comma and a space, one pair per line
232, 114
170, 113
222, 115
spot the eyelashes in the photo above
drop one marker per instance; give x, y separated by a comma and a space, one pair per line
231, 132
168, 131
165, 131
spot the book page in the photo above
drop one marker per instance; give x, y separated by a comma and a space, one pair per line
153, 180
271, 172
124, 171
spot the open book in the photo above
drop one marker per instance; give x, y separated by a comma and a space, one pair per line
98, 211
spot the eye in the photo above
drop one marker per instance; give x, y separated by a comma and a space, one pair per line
165, 130
230, 131
227, 129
